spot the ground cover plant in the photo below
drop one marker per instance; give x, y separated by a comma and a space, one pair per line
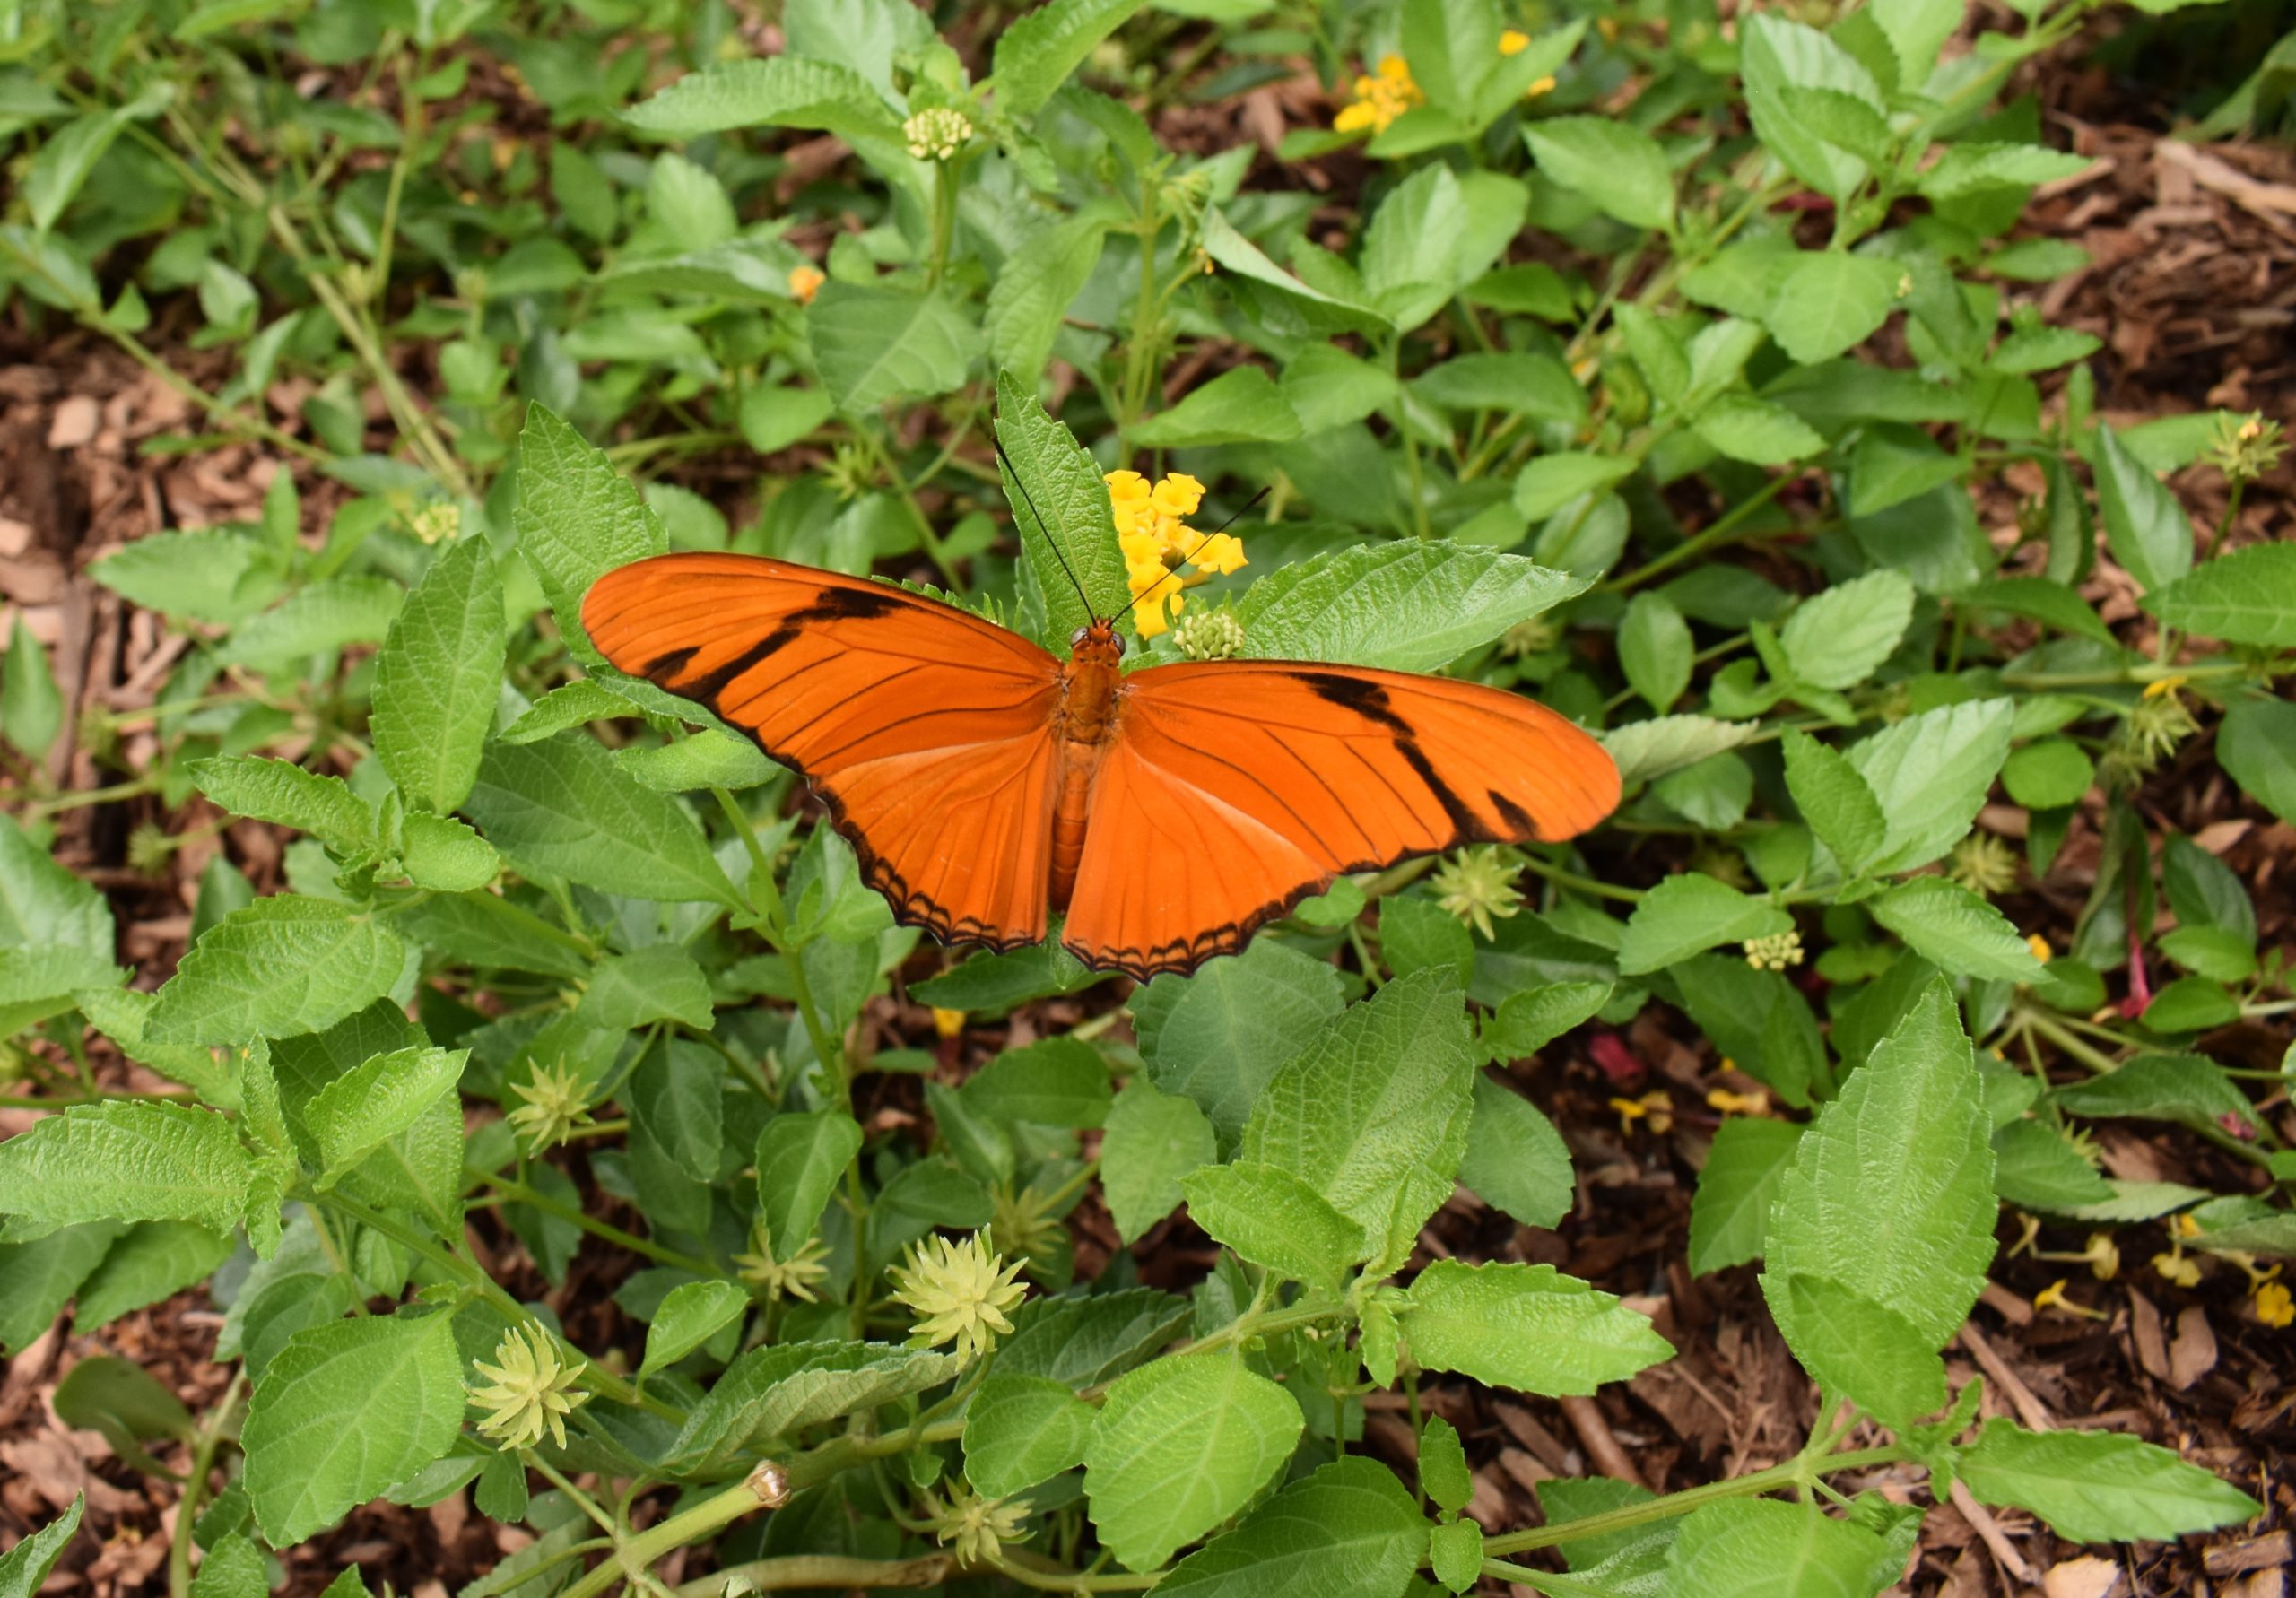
567, 1138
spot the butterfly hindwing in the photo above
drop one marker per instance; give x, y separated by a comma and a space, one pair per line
1235, 789
925, 731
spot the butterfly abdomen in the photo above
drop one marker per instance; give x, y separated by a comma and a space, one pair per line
1085, 724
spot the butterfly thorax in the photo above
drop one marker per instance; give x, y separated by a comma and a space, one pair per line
1084, 721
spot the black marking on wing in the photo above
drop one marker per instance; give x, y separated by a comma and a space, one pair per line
1471, 826
663, 667
1367, 698
1513, 814
713, 683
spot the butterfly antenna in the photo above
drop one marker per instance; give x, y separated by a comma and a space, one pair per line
1045, 527
1201, 544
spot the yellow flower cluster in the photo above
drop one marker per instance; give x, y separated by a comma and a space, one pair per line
1152, 531
1380, 98
804, 282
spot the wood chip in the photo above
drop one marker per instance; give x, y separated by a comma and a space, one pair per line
75, 422
1585, 1418
2193, 1354
2012, 1386
2088, 1576
2145, 1331
2268, 1552
1988, 1530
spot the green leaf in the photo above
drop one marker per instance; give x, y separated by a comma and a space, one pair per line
281, 966
573, 705
775, 1391
1029, 297
1746, 429
24, 1568
1645, 750
1415, 933
1373, 1114
1060, 482
2256, 743
208, 574
1516, 1161
1444, 1475
1347, 1528
1955, 930
1181, 1445
1865, 1351
149, 1263
327, 615
1760, 1548
1551, 482
1528, 1327
438, 676
562, 808
1930, 774
1826, 303
1000, 981
39, 1277
1840, 635
775, 92
1413, 245
282, 791
2148, 531
1021, 1430
1968, 169
1219, 1036
690, 1314
1518, 382
2099, 1486
872, 344
2188, 1089
1058, 1082
32, 709
39, 983
2035, 1167
2248, 596
345, 1411
1891, 1189
1151, 1141
1455, 1554
1688, 914
1035, 53
43, 905
1409, 606
1276, 292
1079, 1342
366, 1107
1273, 1218
234, 1568
1614, 164
1894, 462
1242, 405
1834, 799
1729, 1214
800, 1159
577, 517
1529, 1020
2049, 775
441, 854
1655, 648
660, 982
1774, 53
1916, 29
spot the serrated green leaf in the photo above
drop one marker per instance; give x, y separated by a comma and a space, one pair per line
1955, 930
562, 808
1689, 914
2248, 596
1746, 429
1058, 1082
775, 1391
282, 966
689, 1315
1646, 750
1516, 1161
2148, 531
32, 709
282, 791
1444, 1476
660, 982
1021, 1430
2098, 1486
1219, 1036
24, 1568
1181, 1445
1273, 1218
1840, 635
1865, 1351
1408, 606
1619, 167
1060, 481
345, 1411
1930, 774
1151, 1142
1347, 1528
366, 1107
438, 676
441, 854
1729, 1214
1834, 799
1760, 1548
1241, 406
1551, 482
125, 1159
1037, 51
150, 1262
800, 1159
2256, 743
776, 91
1528, 1327
1655, 650
39, 1277
872, 344
327, 615
1775, 54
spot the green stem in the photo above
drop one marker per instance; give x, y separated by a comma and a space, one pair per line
220, 1419
1576, 884
831, 1571
1699, 543
1794, 1472
511, 1188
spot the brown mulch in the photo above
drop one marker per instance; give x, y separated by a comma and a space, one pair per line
2191, 290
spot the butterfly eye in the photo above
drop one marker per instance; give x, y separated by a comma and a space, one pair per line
1076, 639
1118, 639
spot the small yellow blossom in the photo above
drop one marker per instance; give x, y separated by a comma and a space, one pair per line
2052, 1296
937, 133
2040, 948
948, 1023
1738, 1104
795, 1277
978, 1527
804, 282
1380, 98
2274, 1306
1654, 1107
439, 522
1514, 42
960, 1292
2175, 1266
534, 1389
1162, 554
2164, 685
1210, 635
1539, 86
1780, 951
557, 1101
2246, 448
2184, 1226
2103, 1255
1477, 884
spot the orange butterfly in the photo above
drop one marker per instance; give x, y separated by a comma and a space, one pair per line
1169, 811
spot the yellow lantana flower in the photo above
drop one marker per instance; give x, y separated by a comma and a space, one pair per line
1152, 530
1380, 98
804, 282
1514, 42
2274, 1306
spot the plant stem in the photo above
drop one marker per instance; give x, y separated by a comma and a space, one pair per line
1794, 1473
1699, 543
831, 1571
517, 1192
220, 1419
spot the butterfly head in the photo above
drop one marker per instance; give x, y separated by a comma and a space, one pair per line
1096, 644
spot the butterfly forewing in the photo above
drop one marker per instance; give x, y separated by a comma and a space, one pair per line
1236, 789
926, 731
